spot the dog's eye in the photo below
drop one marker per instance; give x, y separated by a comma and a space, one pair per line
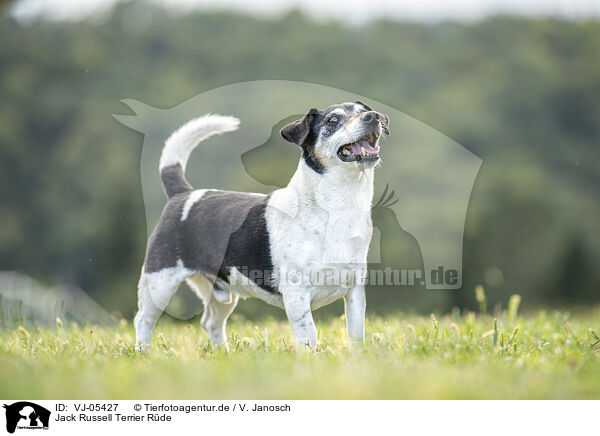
333, 120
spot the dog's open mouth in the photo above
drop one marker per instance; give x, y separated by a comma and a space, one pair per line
364, 148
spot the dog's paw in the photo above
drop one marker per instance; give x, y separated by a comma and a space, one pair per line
141, 349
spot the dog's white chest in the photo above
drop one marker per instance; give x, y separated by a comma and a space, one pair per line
325, 240
315, 248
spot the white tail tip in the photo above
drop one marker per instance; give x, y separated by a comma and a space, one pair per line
181, 142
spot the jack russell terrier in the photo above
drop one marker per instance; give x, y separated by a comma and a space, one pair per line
228, 245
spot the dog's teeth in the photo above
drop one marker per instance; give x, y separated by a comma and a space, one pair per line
345, 151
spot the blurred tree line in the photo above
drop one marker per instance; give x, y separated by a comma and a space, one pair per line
522, 94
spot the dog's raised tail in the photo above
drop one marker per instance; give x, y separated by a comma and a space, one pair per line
180, 144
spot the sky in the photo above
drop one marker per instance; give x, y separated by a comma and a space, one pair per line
351, 11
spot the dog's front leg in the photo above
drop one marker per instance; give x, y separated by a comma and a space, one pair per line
355, 304
297, 307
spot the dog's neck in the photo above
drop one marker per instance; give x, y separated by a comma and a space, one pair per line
337, 189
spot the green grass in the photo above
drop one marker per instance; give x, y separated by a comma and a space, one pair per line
544, 354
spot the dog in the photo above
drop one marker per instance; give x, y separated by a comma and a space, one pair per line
228, 245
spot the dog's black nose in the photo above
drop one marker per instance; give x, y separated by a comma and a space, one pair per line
370, 117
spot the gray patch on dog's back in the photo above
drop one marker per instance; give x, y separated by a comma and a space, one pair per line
223, 229
162, 251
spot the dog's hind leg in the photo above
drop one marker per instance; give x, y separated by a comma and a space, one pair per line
155, 290
214, 319
219, 303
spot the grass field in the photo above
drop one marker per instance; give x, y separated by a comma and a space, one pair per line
545, 354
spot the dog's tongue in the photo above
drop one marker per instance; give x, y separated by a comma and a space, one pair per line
363, 143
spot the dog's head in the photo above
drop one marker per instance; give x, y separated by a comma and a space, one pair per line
345, 134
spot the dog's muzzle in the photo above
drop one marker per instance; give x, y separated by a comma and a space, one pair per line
363, 148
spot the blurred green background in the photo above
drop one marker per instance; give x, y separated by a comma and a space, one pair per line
521, 93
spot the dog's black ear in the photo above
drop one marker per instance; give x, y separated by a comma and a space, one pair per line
300, 131
385, 123
365, 105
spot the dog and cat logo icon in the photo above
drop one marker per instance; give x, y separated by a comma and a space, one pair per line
26, 415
